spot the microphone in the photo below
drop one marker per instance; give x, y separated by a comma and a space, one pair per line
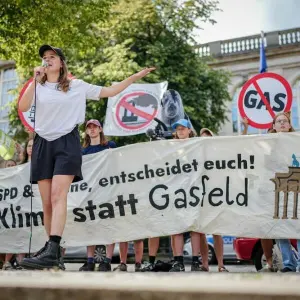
45, 65
150, 133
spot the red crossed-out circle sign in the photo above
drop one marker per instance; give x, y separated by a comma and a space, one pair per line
264, 96
131, 111
27, 118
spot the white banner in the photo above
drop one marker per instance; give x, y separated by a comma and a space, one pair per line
219, 185
133, 111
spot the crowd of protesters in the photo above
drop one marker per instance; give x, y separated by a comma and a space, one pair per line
94, 142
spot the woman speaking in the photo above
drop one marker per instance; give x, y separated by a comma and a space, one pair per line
56, 157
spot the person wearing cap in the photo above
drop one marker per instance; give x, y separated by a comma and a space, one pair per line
94, 142
199, 239
60, 104
183, 130
205, 132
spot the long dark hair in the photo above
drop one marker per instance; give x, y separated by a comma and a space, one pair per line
25, 154
63, 80
87, 140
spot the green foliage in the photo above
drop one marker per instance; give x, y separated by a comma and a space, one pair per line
27, 24
158, 33
136, 34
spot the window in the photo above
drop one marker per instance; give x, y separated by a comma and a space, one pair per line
8, 82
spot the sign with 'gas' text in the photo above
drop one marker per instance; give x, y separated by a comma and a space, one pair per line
262, 97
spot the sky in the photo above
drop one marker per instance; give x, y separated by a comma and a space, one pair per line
247, 17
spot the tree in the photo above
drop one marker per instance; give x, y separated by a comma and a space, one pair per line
141, 33
27, 24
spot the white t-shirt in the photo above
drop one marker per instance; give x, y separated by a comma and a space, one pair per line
57, 112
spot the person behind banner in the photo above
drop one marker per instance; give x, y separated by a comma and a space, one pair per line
153, 246
200, 244
56, 159
281, 123
94, 142
27, 153
183, 130
26, 157
8, 265
138, 252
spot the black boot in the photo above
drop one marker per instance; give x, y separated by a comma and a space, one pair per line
61, 260
46, 258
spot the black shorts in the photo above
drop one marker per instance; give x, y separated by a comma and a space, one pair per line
59, 157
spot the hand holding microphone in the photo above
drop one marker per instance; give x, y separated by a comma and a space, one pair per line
40, 71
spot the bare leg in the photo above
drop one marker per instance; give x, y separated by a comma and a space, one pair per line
267, 246
178, 244
172, 244
204, 250
59, 191
20, 257
110, 250
8, 257
7, 265
91, 251
45, 191
153, 244
219, 249
49, 256
195, 241
123, 252
138, 250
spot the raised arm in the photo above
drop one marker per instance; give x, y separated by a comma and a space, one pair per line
119, 87
27, 98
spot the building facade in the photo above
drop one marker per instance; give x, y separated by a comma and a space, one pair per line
240, 56
8, 84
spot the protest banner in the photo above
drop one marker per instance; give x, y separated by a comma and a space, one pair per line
237, 186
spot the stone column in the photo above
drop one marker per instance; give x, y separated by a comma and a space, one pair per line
276, 210
285, 204
295, 208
